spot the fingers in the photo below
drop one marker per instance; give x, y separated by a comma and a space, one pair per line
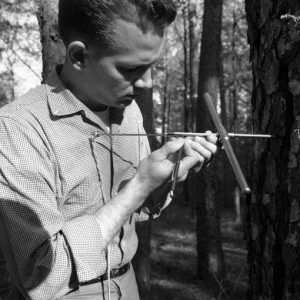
214, 138
168, 148
211, 137
155, 169
193, 156
199, 151
205, 147
189, 160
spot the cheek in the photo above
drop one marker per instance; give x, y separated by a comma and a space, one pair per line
113, 78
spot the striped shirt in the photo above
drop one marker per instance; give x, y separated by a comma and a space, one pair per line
57, 168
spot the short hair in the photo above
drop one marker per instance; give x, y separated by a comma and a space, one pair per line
93, 19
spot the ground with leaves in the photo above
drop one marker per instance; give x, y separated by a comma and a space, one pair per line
173, 258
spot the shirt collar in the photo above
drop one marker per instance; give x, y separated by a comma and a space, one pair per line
61, 100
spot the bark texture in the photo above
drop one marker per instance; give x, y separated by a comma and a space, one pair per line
53, 50
274, 207
209, 248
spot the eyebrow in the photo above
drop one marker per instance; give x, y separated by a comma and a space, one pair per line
134, 65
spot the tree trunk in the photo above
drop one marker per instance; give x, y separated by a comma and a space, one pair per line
225, 186
193, 76
274, 208
187, 104
187, 100
193, 62
141, 261
209, 248
53, 50
166, 100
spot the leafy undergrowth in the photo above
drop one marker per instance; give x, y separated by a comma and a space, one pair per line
173, 259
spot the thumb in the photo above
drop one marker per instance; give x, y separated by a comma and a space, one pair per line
168, 148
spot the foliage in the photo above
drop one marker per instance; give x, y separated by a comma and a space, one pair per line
20, 50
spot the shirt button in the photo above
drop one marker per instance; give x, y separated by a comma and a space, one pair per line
123, 243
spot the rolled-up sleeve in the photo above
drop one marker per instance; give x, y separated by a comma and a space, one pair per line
43, 251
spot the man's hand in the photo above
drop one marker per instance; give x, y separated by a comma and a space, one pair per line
153, 172
157, 168
205, 147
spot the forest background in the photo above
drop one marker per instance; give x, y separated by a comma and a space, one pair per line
201, 247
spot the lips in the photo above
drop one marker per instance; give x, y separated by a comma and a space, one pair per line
133, 96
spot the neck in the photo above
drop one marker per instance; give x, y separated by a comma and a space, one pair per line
68, 78
75, 84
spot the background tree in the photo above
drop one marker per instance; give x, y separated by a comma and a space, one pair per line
273, 210
209, 248
193, 60
53, 50
141, 259
235, 94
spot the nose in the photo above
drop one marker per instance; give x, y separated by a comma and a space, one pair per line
144, 81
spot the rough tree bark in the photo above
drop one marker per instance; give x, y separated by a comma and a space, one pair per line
209, 248
53, 50
274, 208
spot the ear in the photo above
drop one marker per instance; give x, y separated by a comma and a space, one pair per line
76, 54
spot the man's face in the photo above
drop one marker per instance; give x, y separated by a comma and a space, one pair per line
115, 78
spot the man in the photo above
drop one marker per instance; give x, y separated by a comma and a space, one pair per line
72, 183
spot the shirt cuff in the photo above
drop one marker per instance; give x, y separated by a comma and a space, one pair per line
85, 240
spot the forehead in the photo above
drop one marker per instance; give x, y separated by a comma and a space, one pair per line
134, 45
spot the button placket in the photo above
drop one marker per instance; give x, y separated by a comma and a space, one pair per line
93, 142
